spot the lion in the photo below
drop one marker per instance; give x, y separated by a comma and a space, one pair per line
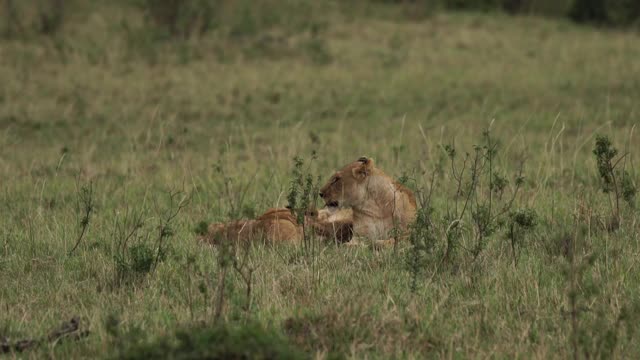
280, 226
380, 205
276, 225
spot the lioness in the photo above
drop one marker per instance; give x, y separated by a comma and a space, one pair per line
379, 203
279, 225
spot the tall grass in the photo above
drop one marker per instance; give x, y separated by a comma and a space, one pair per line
223, 127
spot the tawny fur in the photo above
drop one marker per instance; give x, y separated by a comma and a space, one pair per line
279, 225
336, 226
379, 203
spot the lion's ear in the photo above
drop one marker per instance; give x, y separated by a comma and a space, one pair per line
364, 168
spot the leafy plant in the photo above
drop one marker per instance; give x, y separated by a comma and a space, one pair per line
521, 221
598, 336
28, 17
201, 228
177, 202
84, 208
481, 203
303, 193
247, 341
423, 242
182, 18
614, 182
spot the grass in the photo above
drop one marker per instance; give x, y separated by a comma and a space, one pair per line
146, 123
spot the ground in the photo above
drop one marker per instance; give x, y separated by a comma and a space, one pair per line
210, 126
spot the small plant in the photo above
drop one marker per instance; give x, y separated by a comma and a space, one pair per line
182, 18
12, 25
598, 336
498, 184
317, 51
482, 202
423, 241
491, 214
84, 208
423, 236
246, 341
224, 259
616, 183
138, 260
23, 18
201, 228
521, 221
303, 189
464, 190
605, 153
245, 269
233, 194
51, 17
177, 202
135, 256
142, 258
303, 192
295, 184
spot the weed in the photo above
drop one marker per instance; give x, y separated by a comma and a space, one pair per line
303, 191
224, 259
182, 18
599, 336
616, 183
521, 222
302, 197
251, 340
133, 257
201, 228
423, 242
245, 269
479, 208
234, 194
317, 51
177, 201
84, 207
24, 18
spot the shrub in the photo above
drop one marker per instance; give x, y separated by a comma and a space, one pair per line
601, 12
249, 341
615, 180
589, 11
623, 12
181, 18
606, 12
27, 17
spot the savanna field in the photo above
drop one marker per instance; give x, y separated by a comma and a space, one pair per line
121, 141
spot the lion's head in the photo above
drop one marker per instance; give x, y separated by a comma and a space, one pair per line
346, 187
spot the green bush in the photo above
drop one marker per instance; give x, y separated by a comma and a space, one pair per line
475, 4
182, 18
589, 11
27, 17
238, 18
250, 341
553, 8
603, 12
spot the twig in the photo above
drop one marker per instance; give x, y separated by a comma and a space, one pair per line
85, 198
164, 227
68, 330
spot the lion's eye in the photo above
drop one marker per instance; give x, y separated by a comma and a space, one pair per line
335, 179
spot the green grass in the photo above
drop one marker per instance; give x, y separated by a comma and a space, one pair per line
220, 119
